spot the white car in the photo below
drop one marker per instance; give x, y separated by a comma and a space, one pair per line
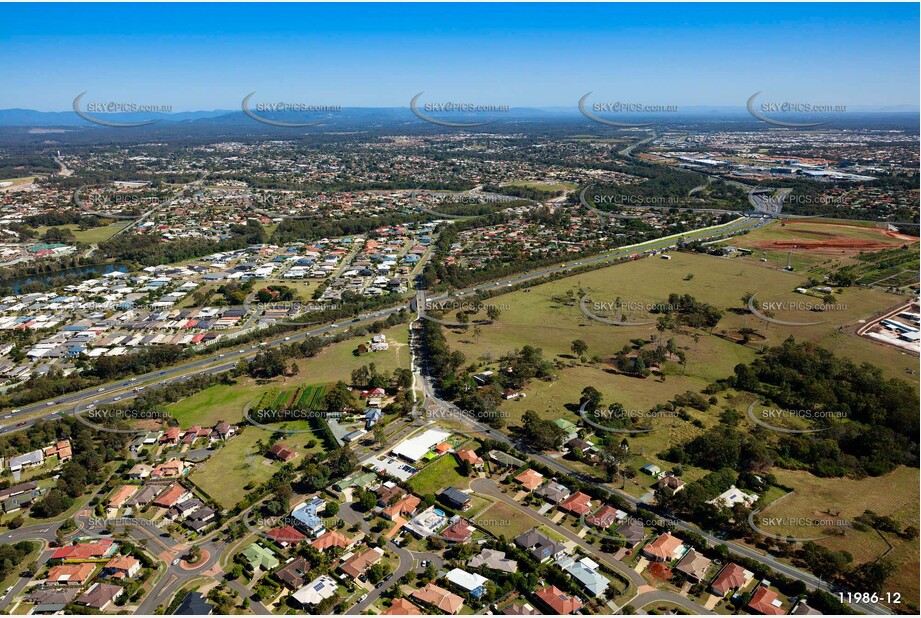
117, 399
51, 403
362, 598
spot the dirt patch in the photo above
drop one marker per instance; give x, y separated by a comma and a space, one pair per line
838, 246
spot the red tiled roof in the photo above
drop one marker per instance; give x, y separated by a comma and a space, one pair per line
558, 601
578, 503
762, 602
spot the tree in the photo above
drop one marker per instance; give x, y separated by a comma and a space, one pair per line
578, 347
493, 312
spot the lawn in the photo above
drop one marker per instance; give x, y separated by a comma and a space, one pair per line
437, 475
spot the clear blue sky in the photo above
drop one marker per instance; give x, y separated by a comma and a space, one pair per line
208, 56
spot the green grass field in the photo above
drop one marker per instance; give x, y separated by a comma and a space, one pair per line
895, 494
549, 187
443, 472
240, 462
91, 236
722, 282
503, 520
334, 363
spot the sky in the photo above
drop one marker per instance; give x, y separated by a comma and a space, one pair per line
209, 56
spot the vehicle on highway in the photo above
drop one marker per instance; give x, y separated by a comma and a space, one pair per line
50, 403
335, 326
117, 399
21, 424
99, 390
8, 416
16, 411
287, 338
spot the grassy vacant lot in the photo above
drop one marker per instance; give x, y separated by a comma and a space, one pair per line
895, 494
334, 363
503, 520
240, 462
439, 474
93, 235
544, 316
549, 187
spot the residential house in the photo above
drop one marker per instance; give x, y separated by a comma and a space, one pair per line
694, 565
587, 572
671, 483
100, 596
439, 598
70, 574
307, 517
765, 602
577, 504
260, 557
293, 574
281, 452
472, 583
330, 539
553, 492
359, 563
541, 546
530, 479
404, 507
455, 498
605, 517
200, 519
317, 591
493, 559
665, 548
558, 601
731, 578
86, 550
458, 531
469, 456
121, 567
286, 535
402, 607
121, 496
174, 494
